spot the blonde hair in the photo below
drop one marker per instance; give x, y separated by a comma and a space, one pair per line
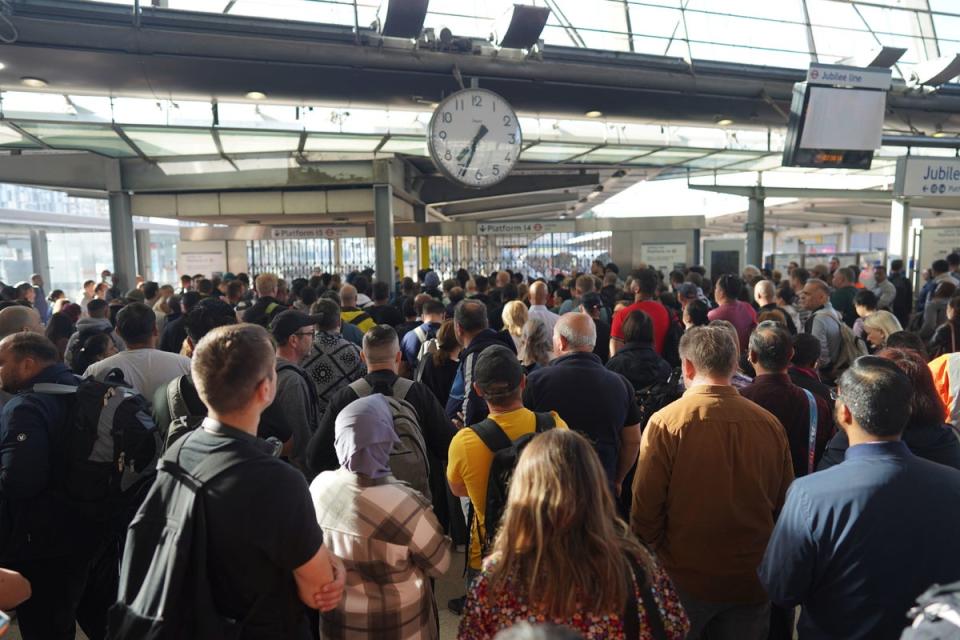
561, 542
266, 284
884, 322
514, 317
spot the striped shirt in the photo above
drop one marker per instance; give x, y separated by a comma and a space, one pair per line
390, 542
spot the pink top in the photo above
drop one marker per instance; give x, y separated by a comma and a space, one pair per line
741, 315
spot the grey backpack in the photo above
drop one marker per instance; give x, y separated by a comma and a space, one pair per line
408, 460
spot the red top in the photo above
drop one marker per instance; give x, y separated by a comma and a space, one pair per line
658, 314
741, 315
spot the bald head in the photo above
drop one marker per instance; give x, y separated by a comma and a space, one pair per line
348, 296
574, 332
16, 319
538, 293
764, 293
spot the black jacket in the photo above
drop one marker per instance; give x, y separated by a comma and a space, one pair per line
640, 364
36, 519
937, 443
462, 396
174, 333
263, 311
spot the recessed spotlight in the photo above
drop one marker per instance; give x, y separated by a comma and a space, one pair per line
724, 122
594, 114
256, 95
939, 133
33, 82
2, 66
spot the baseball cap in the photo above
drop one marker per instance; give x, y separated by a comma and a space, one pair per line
591, 300
688, 290
497, 370
287, 323
135, 295
228, 276
431, 280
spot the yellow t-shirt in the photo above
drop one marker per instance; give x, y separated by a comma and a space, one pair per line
365, 323
469, 464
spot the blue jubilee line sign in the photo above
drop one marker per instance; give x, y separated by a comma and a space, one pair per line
927, 177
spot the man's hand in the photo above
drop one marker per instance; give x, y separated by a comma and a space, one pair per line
331, 594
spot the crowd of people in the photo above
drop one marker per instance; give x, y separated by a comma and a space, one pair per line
639, 455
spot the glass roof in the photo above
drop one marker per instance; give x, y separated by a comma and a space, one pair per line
786, 33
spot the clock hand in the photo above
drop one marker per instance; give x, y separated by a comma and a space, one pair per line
472, 149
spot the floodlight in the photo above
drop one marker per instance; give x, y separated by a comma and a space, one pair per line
524, 28
404, 18
936, 72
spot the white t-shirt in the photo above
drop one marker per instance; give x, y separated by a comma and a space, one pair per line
146, 370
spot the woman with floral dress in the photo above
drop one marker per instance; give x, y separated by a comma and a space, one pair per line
563, 556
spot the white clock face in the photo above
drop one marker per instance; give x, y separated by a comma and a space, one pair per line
475, 138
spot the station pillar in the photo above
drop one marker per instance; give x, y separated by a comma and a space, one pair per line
143, 254
398, 254
898, 246
754, 228
383, 232
122, 241
424, 252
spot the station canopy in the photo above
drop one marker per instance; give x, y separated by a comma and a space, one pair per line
213, 136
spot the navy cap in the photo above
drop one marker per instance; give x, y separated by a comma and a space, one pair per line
497, 370
287, 323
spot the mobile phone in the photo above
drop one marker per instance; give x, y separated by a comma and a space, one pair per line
4, 623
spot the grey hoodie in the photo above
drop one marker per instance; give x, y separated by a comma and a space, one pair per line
89, 323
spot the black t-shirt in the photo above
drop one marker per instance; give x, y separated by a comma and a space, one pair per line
385, 314
174, 333
261, 525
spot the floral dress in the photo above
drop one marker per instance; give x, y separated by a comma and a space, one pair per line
483, 618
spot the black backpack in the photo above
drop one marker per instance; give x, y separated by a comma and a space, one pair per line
185, 410
671, 342
658, 395
164, 589
506, 454
937, 614
113, 443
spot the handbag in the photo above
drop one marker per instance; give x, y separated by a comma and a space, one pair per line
631, 618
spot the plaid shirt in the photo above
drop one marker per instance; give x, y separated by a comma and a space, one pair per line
333, 364
390, 542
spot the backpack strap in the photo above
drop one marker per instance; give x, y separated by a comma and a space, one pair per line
401, 388
631, 619
492, 436
360, 318
545, 421
812, 438
361, 387
176, 403
53, 389
421, 334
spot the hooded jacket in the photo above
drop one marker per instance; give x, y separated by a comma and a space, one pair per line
89, 325
463, 397
640, 364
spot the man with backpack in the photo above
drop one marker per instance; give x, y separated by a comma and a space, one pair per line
414, 340
838, 346
42, 535
414, 406
293, 416
267, 305
498, 379
250, 553
97, 321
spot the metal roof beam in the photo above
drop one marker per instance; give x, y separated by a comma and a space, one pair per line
793, 192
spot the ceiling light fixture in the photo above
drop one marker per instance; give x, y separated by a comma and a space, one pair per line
724, 122
594, 114
939, 133
33, 82
256, 95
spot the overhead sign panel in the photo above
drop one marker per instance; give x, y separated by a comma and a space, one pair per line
508, 228
927, 177
832, 75
307, 233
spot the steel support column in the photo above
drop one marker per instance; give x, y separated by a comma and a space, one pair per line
40, 256
424, 252
122, 240
383, 232
754, 228
142, 237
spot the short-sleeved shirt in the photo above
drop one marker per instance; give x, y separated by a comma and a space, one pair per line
469, 463
741, 315
658, 315
146, 370
246, 558
591, 399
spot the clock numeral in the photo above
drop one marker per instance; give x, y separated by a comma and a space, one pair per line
479, 176
447, 117
458, 104
448, 156
442, 135
462, 172
512, 137
496, 170
507, 121
478, 101
507, 158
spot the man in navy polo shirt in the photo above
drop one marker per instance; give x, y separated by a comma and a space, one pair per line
856, 544
591, 399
